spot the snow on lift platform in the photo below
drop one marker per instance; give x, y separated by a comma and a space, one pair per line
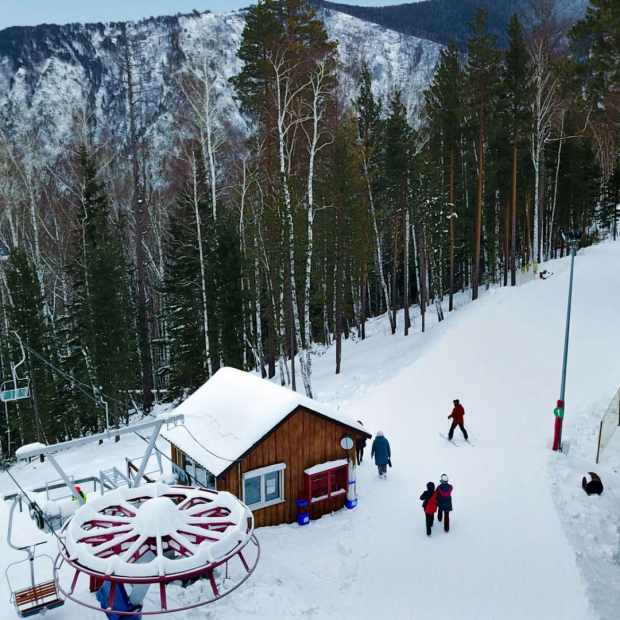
156, 534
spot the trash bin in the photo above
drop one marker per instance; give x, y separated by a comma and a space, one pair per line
303, 516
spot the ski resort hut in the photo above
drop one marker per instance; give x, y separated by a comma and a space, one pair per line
266, 444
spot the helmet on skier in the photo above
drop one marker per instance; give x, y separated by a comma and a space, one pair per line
430, 486
456, 401
379, 433
444, 477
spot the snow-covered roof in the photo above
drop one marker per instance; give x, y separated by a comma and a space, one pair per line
321, 467
37, 445
231, 412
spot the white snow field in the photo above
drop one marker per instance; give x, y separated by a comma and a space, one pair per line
525, 541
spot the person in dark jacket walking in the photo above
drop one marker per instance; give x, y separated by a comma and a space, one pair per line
360, 444
444, 501
382, 454
429, 504
457, 415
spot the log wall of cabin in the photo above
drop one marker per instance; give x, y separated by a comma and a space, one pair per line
304, 439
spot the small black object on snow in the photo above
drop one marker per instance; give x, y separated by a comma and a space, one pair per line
594, 486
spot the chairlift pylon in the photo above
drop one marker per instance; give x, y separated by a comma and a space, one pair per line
16, 388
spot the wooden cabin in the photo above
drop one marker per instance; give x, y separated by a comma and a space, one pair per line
266, 444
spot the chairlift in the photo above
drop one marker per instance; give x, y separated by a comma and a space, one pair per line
16, 388
39, 596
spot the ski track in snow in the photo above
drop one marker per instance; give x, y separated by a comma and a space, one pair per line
525, 541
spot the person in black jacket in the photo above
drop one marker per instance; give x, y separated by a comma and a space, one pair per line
360, 444
429, 504
444, 501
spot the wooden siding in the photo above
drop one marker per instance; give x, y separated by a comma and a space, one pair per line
304, 439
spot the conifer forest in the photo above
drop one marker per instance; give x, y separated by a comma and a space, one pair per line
129, 275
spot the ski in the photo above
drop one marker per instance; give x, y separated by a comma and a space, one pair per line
456, 445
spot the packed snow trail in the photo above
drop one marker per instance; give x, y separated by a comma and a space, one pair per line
507, 554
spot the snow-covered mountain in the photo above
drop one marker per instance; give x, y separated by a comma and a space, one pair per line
49, 74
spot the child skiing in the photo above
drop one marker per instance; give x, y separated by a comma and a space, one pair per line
457, 416
444, 501
381, 452
429, 504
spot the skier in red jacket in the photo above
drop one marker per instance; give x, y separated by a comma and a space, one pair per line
457, 415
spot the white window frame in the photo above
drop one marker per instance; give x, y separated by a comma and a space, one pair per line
262, 472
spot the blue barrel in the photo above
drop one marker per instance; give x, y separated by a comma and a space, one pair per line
303, 516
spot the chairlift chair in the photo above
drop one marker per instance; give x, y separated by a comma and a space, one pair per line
16, 388
38, 596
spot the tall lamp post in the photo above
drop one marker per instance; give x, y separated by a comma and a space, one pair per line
573, 244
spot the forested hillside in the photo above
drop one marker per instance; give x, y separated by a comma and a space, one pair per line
447, 20
133, 267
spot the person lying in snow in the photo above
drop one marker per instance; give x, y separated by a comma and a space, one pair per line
444, 502
429, 504
381, 451
594, 486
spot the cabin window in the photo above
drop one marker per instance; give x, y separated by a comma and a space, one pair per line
199, 475
264, 487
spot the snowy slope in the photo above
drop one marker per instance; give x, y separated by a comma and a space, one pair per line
525, 541
48, 74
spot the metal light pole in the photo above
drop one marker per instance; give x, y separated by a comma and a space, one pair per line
573, 243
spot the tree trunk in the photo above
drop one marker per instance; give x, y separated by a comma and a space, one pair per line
451, 227
406, 271
378, 245
475, 276
203, 274
513, 219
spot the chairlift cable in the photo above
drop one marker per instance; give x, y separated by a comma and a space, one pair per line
82, 387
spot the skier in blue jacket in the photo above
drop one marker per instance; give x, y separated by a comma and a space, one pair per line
381, 452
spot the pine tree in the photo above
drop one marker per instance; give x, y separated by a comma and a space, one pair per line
39, 418
230, 299
444, 109
370, 130
517, 94
482, 75
101, 350
285, 85
595, 43
397, 140
182, 289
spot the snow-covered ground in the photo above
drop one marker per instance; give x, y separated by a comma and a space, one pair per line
525, 541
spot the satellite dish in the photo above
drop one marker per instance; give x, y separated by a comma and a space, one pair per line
346, 443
